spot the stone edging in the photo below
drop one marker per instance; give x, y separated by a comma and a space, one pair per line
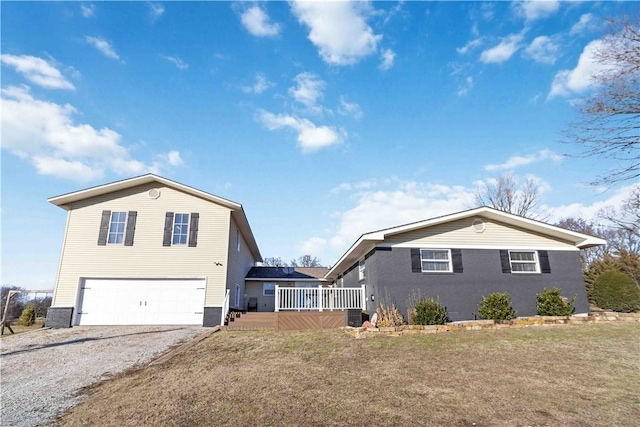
475, 325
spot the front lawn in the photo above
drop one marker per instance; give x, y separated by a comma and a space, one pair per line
585, 375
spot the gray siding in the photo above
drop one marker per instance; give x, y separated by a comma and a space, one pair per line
389, 276
239, 264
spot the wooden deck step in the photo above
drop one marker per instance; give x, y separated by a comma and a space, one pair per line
252, 321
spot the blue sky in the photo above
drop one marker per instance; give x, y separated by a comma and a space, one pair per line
325, 120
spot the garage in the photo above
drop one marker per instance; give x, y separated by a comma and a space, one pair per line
141, 302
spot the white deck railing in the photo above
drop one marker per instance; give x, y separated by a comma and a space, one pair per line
225, 307
319, 299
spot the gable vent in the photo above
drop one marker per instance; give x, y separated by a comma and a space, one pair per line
478, 225
154, 193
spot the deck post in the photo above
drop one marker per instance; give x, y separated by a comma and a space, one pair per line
320, 298
277, 298
363, 298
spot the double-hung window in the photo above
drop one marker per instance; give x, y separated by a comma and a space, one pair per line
524, 262
116, 227
268, 289
180, 229
435, 260
362, 272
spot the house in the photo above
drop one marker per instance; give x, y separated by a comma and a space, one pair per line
261, 282
148, 250
462, 257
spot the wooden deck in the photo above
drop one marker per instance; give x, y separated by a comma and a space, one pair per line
288, 321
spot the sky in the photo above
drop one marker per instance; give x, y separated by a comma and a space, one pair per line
324, 120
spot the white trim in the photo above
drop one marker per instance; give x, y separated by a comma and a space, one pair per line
449, 261
524, 248
536, 262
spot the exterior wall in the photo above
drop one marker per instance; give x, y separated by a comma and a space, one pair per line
390, 273
147, 258
461, 234
238, 265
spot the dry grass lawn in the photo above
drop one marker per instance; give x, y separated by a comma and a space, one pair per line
585, 375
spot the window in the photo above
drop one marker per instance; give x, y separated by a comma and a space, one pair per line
523, 262
268, 289
438, 260
361, 270
116, 227
238, 239
237, 295
180, 229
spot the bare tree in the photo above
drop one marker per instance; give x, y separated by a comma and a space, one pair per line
274, 262
306, 261
627, 216
505, 195
609, 124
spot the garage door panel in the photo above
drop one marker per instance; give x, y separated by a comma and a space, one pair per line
141, 302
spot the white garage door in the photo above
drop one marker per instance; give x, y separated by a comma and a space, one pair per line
141, 302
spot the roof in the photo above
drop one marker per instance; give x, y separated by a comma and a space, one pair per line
237, 212
368, 241
280, 273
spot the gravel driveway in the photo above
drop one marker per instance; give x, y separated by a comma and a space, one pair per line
42, 371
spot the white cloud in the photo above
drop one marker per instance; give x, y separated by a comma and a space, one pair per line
313, 245
103, 46
465, 88
387, 58
567, 82
308, 90
338, 29
517, 161
37, 71
45, 134
351, 109
503, 51
176, 61
261, 84
408, 202
88, 10
310, 137
543, 49
584, 24
532, 10
257, 22
471, 44
156, 10
588, 211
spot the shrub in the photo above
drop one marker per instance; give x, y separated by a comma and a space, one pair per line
550, 302
388, 315
28, 316
496, 306
614, 290
428, 311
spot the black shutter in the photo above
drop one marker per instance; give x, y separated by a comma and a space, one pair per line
543, 256
104, 228
504, 259
456, 258
193, 230
416, 263
131, 228
168, 225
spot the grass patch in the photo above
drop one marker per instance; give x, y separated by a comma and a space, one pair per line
18, 329
564, 376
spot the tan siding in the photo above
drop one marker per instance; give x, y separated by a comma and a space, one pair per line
461, 233
239, 264
147, 258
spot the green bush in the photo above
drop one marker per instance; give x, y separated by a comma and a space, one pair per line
428, 311
550, 302
496, 306
614, 290
28, 316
